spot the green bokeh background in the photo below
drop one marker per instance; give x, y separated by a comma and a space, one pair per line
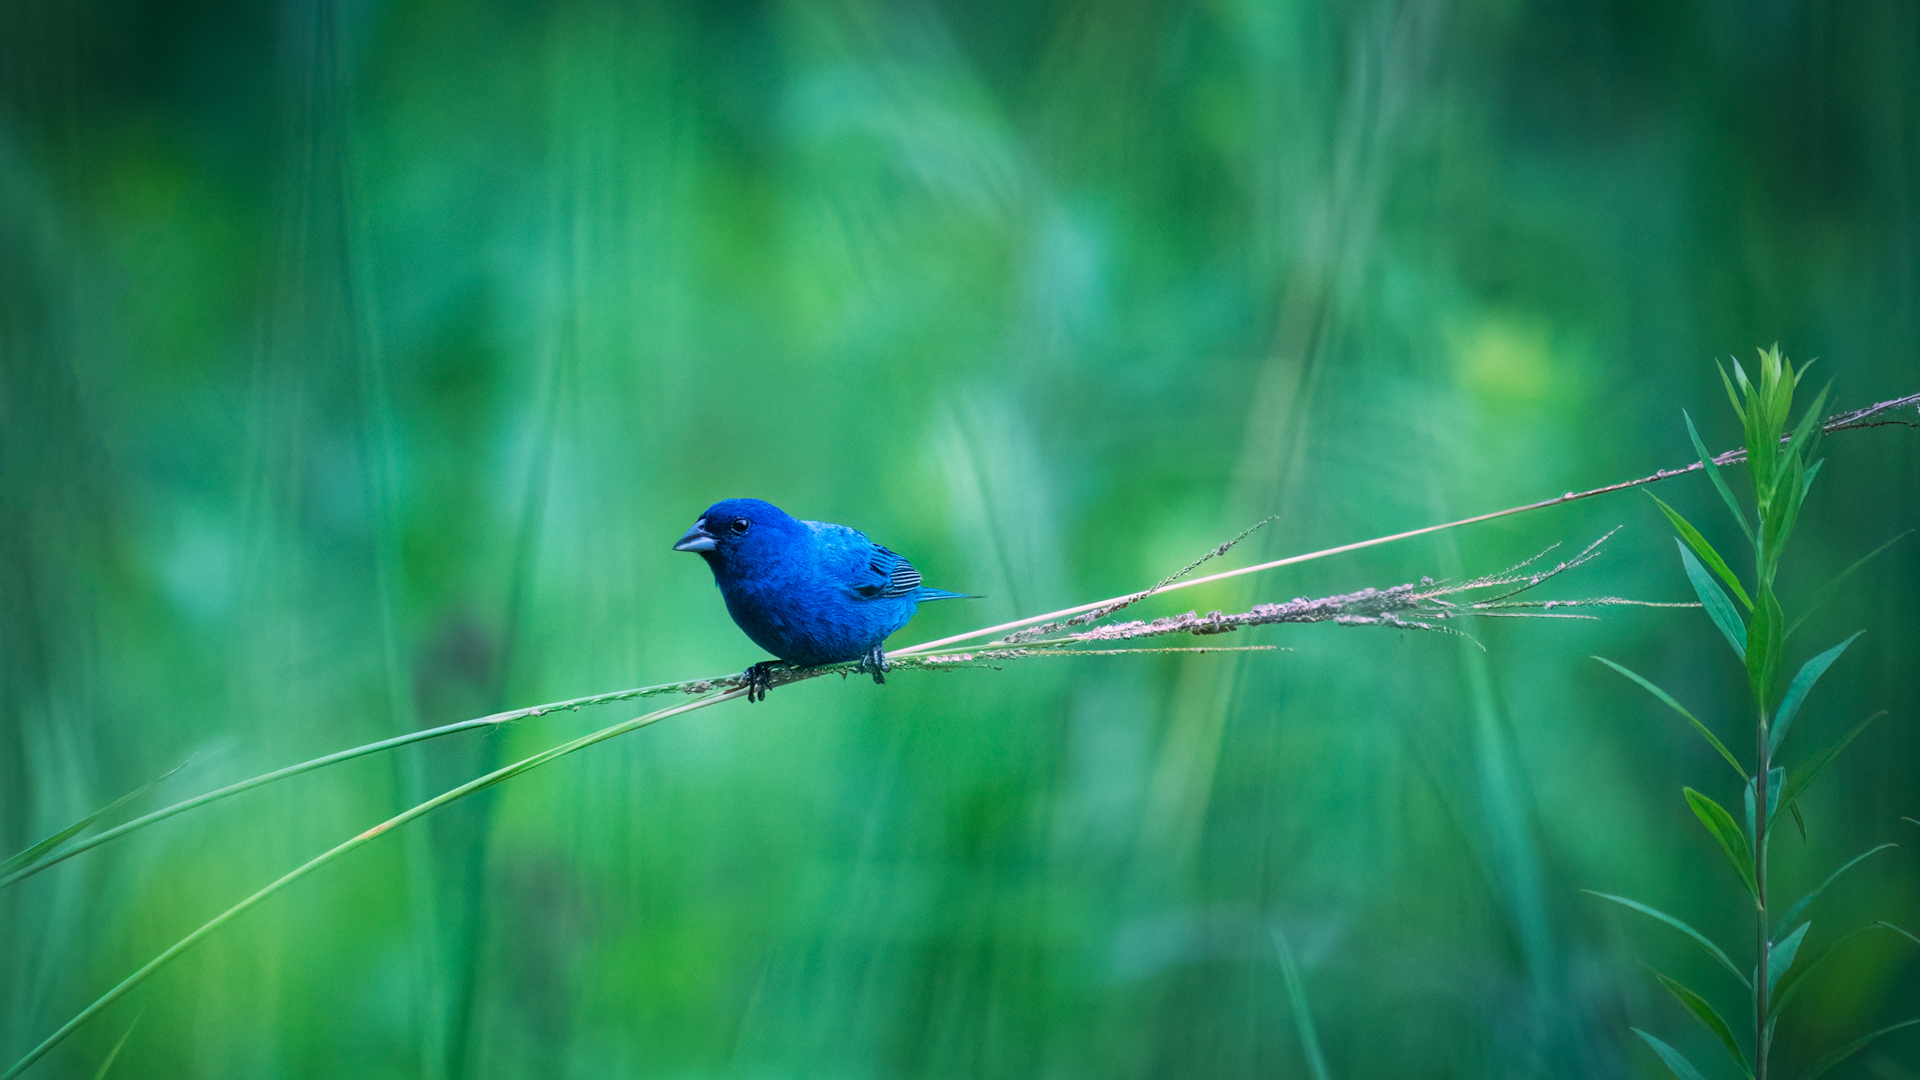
359, 362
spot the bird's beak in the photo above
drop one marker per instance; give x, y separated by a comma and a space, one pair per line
697, 538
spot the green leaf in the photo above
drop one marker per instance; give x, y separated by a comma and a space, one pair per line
1798, 978
1704, 942
1708, 1017
1719, 482
1727, 832
1805, 433
1676, 1062
1711, 738
1800, 905
1719, 608
1897, 930
1826, 591
1703, 549
1852, 1048
1780, 955
1774, 777
1806, 483
1809, 674
1764, 630
1739, 410
1800, 777
1794, 809
1782, 510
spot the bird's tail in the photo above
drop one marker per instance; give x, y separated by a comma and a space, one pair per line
923, 594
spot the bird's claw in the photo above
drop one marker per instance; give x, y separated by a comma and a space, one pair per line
876, 662
759, 679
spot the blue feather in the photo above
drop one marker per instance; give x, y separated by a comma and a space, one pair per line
808, 592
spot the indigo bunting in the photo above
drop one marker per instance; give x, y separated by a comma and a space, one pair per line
808, 592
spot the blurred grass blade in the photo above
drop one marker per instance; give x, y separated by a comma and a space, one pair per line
1852, 1048
1800, 905
504, 773
1709, 1018
1719, 608
9, 868
1711, 738
1822, 594
1712, 949
107, 1065
1302, 1017
1803, 681
1889, 926
1805, 773
1781, 953
1727, 832
1719, 482
1676, 1061
1700, 547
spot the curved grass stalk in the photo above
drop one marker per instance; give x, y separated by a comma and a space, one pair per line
141, 822
506, 772
1872, 416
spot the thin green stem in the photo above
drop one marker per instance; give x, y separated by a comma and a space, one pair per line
1761, 983
331, 759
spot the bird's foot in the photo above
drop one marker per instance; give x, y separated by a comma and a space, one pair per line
760, 678
876, 662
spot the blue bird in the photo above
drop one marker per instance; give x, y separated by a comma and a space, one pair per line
808, 592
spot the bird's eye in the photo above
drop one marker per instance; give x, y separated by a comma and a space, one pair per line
741, 525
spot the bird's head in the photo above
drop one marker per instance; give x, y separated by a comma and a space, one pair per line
732, 528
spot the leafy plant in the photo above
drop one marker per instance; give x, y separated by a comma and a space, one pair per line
1781, 465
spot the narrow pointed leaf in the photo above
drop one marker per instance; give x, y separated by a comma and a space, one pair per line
1781, 953
1897, 930
1709, 1018
1764, 631
1852, 1048
1775, 779
1675, 1061
1712, 739
1704, 942
1803, 681
1800, 822
1804, 432
1797, 978
1691, 536
1800, 905
1718, 607
1719, 482
1822, 594
1739, 410
1813, 470
1804, 774
1725, 830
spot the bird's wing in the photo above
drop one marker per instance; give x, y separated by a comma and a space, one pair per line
871, 571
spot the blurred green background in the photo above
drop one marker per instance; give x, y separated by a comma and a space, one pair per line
360, 361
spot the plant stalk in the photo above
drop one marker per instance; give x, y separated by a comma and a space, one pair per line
1761, 924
